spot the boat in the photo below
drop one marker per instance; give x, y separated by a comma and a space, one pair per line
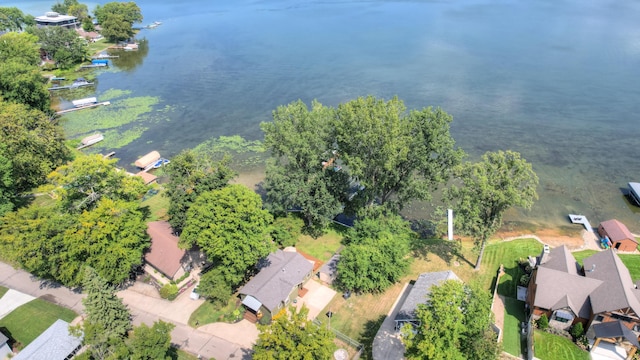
634, 192
154, 24
84, 102
90, 140
79, 82
148, 160
160, 163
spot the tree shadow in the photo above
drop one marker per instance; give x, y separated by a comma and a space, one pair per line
371, 328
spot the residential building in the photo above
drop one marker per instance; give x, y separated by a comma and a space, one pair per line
164, 254
55, 343
621, 238
52, 18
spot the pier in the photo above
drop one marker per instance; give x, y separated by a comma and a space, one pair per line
72, 86
83, 107
93, 66
581, 219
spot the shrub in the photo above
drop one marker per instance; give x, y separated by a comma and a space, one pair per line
169, 291
286, 230
577, 331
265, 319
543, 322
524, 280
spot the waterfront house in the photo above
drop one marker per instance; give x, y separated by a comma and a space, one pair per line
597, 295
52, 18
621, 238
280, 278
164, 255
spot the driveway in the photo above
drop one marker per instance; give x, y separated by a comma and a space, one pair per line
316, 299
11, 300
387, 344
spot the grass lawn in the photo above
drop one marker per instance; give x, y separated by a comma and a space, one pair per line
551, 347
157, 205
3, 290
631, 261
27, 322
507, 253
209, 313
323, 247
514, 315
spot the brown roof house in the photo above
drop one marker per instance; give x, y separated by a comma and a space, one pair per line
164, 254
620, 236
281, 276
601, 295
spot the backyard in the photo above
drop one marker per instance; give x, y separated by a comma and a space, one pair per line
552, 347
631, 261
512, 341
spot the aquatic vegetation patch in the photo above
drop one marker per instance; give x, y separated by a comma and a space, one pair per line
115, 139
112, 94
119, 113
244, 153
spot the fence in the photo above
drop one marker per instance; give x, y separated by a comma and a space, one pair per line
349, 341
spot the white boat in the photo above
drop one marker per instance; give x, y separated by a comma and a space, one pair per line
84, 102
634, 192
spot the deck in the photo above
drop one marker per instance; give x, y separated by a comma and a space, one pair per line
83, 107
581, 219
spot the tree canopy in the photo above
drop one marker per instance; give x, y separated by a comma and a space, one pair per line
20, 47
117, 19
231, 228
487, 189
376, 254
151, 343
72, 7
7, 188
364, 151
189, 176
454, 324
61, 45
292, 336
12, 19
22, 83
34, 145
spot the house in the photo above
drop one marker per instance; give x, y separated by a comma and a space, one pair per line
52, 18
55, 343
328, 272
5, 349
599, 295
621, 238
280, 277
419, 294
164, 254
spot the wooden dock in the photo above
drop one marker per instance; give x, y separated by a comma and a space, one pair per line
72, 86
83, 107
105, 57
93, 66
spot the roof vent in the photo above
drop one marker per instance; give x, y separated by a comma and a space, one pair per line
52, 14
593, 268
546, 249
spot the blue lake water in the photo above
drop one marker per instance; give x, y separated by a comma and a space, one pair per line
555, 80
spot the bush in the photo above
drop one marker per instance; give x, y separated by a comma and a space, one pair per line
524, 280
543, 322
286, 230
169, 292
577, 331
265, 319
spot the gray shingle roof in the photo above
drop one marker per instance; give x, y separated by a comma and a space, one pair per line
279, 273
617, 290
3, 339
615, 329
420, 292
558, 290
560, 259
55, 343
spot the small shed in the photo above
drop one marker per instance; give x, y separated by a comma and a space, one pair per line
148, 159
621, 238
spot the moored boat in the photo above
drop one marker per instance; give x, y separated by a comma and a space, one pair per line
634, 192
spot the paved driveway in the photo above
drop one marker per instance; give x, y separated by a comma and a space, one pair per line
316, 299
387, 344
11, 300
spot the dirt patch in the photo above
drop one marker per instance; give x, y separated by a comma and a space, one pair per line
553, 237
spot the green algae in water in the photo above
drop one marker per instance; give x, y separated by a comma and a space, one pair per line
245, 153
115, 139
112, 94
118, 114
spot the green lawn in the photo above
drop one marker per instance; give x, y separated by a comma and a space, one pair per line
3, 290
552, 347
157, 204
27, 322
323, 247
631, 261
514, 315
209, 313
507, 253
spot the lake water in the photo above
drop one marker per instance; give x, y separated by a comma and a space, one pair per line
558, 81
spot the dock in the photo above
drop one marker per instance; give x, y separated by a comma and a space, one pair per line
72, 86
581, 219
97, 57
104, 103
90, 140
93, 66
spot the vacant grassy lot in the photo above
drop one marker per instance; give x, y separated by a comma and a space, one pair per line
552, 347
631, 261
514, 315
29, 320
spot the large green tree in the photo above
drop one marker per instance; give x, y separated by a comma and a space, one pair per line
151, 343
34, 145
454, 324
300, 140
22, 83
61, 45
189, 176
72, 7
117, 19
396, 156
12, 19
376, 254
7, 183
20, 47
293, 337
231, 228
81, 183
108, 320
488, 188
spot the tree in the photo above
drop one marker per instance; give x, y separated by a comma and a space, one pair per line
376, 254
117, 19
12, 19
292, 336
189, 176
489, 188
72, 7
110, 238
215, 287
395, 156
20, 47
61, 45
87, 179
34, 145
454, 324
151, 343
231, 227
108, 319
7, 188
23, 83
300, 140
